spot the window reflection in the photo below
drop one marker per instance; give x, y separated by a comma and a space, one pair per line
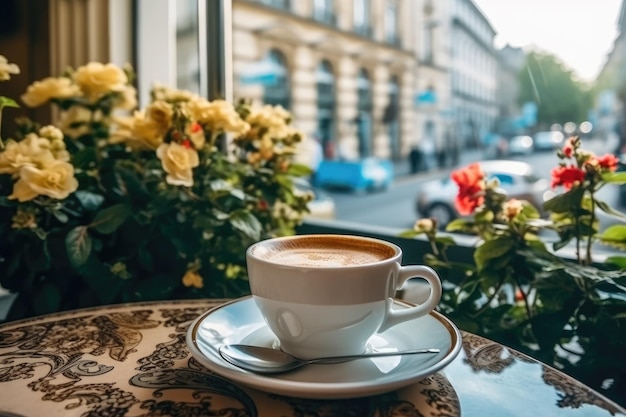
277, 93
187, 46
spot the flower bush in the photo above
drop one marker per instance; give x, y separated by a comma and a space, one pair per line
114, 203
569, 311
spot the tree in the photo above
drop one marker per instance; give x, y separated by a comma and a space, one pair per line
559, 96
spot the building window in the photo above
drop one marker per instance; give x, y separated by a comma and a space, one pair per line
362, 17
364, 114
187, 46
281, 4
278, 92
325, 79
391, 23
391, 117
323, 11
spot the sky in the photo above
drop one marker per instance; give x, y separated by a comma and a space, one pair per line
579, 32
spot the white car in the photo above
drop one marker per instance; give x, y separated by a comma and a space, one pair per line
548, 141
521, 145
436, 198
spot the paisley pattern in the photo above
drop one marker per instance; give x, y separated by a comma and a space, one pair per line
132, 360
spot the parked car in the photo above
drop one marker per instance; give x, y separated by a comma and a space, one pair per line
521, 145
322, 206
548, 140
435, 198
362, 175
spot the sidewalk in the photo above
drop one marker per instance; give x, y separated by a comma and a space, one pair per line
402, 168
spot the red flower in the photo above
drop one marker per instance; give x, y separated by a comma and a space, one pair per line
568, 149
608, 161
195, 127
186, 143
567, 176
263, 205
471, 184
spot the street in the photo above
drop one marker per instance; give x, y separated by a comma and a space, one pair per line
395, 207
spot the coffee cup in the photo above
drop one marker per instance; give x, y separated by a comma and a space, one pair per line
326, 295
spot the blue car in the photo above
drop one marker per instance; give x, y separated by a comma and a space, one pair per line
363, 175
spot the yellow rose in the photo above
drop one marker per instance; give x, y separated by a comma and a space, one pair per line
196, 134
51, 133
40, 92
178, 161
75, 121
128, 98
6, 69
97, 79
136, 131
160, 113
217, 116
193, 279
55, 181
33, 150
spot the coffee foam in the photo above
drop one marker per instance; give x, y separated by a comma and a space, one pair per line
324, 252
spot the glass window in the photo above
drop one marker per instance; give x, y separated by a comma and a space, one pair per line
391, 23
326, 107
323, 11
364, 116
362, 17
278, 92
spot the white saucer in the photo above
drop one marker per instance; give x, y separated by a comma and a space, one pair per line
240, 321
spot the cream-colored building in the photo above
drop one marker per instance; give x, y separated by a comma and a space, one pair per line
344, 68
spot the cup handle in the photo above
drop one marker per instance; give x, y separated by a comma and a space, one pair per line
395, 316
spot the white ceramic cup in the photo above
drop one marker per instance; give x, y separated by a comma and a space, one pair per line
326, 295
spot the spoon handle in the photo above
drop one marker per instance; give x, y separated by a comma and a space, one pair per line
336, 359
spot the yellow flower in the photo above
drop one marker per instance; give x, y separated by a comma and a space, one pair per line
52, 133
172, 95
97, 79
178, 161
40, 92
425, 225
32, 150
24, 218
196, 135
136, 131
512, 208
128, 98
217, 116
6, 69
55, 181
160, 113
193, 279
75, 121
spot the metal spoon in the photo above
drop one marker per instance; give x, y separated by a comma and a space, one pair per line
272, 361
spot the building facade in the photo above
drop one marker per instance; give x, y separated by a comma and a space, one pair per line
345, 69
473, 73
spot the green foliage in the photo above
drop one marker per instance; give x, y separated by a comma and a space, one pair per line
567, 312
136, 228
545, 81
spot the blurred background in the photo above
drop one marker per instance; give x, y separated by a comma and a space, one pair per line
391, 94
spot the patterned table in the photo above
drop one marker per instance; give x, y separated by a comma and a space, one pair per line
132, 360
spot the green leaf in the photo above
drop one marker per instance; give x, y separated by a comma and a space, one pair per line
459, 225
614, 234
247, 223
563, 203
299, 170
619, 261
491, 249
609, 210
78, 244
108, 220
8, 102
615, 177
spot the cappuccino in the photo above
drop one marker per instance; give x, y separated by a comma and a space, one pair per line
321, 252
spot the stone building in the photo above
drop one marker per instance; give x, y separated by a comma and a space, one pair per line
344, 68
